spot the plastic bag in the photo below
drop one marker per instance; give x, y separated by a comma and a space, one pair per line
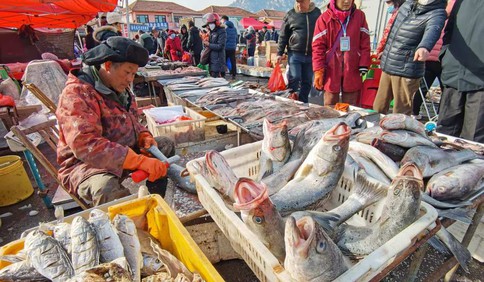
276, 81
205, 56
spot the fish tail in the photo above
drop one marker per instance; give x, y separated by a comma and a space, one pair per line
368, 189
460, 252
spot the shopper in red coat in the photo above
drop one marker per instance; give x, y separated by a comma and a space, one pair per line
173, 46
339, 58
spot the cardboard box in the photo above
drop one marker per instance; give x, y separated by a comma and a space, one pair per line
260, 61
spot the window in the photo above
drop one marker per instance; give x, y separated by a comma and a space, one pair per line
160, 19
177, 19
142, 18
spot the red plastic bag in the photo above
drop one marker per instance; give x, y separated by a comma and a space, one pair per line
6, 101
276, 81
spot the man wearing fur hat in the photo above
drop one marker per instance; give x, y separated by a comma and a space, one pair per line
100, 136
113, 28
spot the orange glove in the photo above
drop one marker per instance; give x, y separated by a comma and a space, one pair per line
145, 141
319, 79
155, 168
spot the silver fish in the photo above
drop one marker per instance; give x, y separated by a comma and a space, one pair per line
21, 271
260, 215
310, 254
368, 135
386, 164
401, 121
370, 167
402, 208
318, 175
219, 173
443, 205
110, 247
85, 249
129, 238
406, 139
151, 265
62, 233
456, 182
444, 240
48, 257
433, 160
276, 149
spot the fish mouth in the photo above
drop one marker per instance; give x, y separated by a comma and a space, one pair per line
302, 234
338, 132
249, 194
209, 158
410, 170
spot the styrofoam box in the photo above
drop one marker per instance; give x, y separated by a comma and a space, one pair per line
244, 160
180, 131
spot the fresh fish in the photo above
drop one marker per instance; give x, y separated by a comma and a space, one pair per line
401, 121
220, 174
386, 164
367, 191
368, 135
460, 252
21, 271
276, 149
458, 214
48, 257
85, 249
129, 238
260, 215
318, 175
310, 254
370, 167
456, 182
402, 208
441, 205
394, 152
406, 139
433, 160
62, 233
276, 181
110, 247
114, 271
151, 265
172, 264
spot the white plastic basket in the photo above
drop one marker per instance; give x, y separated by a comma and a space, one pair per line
244, 160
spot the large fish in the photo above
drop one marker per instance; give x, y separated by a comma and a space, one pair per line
433, 160
276, 149
129, 238
260, 215
110, 247
310, 254
394, 152
21, 271
406, 139
402, 208
370, 167
368, 135
62, 233
48, 257
386, 164
218, 173
318, 175
401, 121
456, 182
85, 249
365, 192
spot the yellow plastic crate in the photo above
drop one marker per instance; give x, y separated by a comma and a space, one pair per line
162, 223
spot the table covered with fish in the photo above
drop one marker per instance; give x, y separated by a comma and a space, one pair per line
339, 202
135, 240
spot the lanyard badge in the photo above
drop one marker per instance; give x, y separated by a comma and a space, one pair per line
344, 41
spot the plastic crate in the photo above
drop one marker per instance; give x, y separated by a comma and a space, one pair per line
174, 100
163, 224
180, 131
244, 160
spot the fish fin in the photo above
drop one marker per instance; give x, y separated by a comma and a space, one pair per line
460, 252
12, 258
461, 214
369, 189
438, 204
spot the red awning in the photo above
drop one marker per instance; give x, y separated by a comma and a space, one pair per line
246, 22
54, 14
276, 23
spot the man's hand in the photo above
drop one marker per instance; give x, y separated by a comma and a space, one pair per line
280, 58
206, 43
154, 167
421, 55
319, 79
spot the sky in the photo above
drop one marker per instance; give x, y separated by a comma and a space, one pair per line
197, 4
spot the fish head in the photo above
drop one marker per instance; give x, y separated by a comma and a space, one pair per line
393, 121
249, 195
276, 140
442, 187
310, 253
390, 137
151, 264
98, 215
334, 144
220, 171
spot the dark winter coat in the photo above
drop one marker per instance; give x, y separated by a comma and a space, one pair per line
104, 32
251, 39
231, 43
184, 38
416, 26
462, 54
297, 30
217, 40
194, 41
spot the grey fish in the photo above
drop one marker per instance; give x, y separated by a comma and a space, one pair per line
368, 135
276, 149
401, 208
443, 205
370, 167
311, 254
276, 181
406, 139
85, 249
386, 164
318, 175
62, 233
21, 271
151, 265
260, 215
401, 121
456, 182
114, 271
129, 238
433, 160
394, 152
110, 247
367, 191
460, 252
48, 257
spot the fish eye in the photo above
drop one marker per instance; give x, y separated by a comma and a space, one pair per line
396, 191
258, 219
337, 148
321, 247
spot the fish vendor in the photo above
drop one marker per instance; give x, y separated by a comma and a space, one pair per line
101, 138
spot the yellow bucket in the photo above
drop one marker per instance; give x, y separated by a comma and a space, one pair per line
15, 184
